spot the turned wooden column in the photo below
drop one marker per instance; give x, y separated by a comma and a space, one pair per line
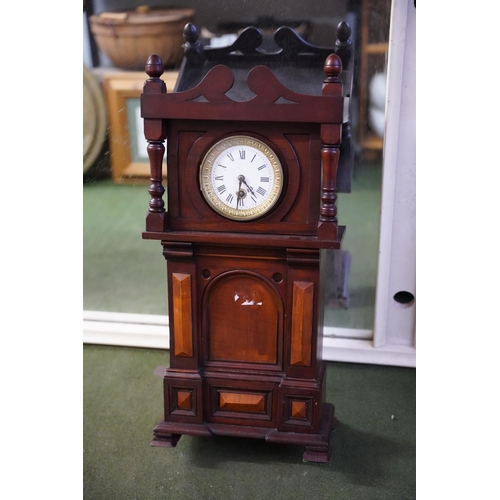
155, 133
331, 134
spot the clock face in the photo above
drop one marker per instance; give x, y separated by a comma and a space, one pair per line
241, 178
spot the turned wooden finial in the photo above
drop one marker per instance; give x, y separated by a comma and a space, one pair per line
343, 34
154, 66
193, 48
190, 33
343, 43
332, 68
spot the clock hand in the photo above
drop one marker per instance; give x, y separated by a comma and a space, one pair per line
249, 188
241, 193
242, 179
238, 195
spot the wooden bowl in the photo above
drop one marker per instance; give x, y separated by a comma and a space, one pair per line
128, 38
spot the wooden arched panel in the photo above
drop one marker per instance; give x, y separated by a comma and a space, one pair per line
243, 316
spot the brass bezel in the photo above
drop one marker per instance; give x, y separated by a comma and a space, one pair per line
208, 190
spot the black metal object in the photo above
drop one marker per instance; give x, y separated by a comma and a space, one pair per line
297, 64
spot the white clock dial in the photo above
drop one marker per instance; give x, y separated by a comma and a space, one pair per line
241, 178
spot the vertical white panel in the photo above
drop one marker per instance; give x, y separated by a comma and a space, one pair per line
395, 322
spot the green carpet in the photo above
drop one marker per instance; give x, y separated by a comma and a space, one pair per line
124, 273
374, 444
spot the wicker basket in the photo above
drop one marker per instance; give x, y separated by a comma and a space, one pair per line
128, 38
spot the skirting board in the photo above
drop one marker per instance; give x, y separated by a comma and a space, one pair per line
151, 331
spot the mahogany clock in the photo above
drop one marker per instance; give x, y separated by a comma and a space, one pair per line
252, 168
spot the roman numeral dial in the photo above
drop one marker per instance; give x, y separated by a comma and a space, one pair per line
241, 178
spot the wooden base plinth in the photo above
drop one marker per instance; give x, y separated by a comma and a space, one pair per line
318, 449
166, 440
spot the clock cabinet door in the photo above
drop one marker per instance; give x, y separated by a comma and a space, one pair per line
243, 321
242, 297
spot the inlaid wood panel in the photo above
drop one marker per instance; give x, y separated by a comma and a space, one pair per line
234, 401
298, 410
302, 323
184, 400
246, 401
182, 315
301, 411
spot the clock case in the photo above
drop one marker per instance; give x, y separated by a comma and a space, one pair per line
246, 298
